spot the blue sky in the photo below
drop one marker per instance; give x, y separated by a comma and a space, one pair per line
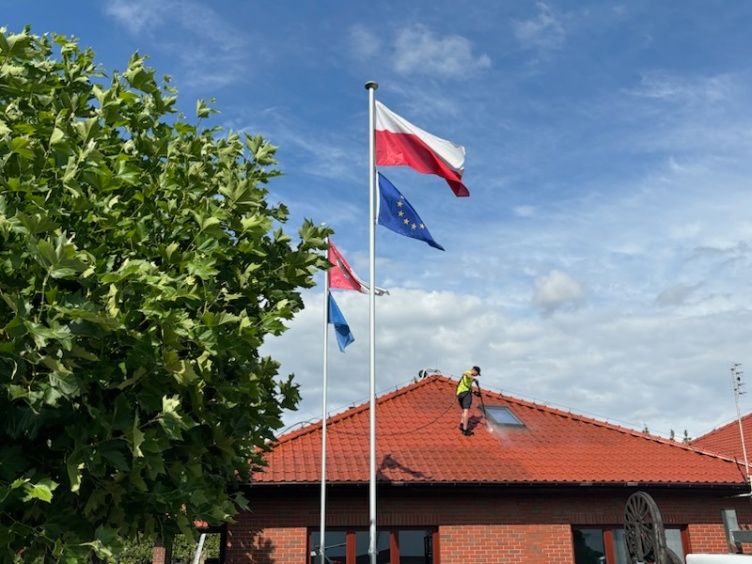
602, 262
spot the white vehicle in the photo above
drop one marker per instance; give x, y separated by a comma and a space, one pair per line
718, 558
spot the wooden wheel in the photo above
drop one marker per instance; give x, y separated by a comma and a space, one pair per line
644, 533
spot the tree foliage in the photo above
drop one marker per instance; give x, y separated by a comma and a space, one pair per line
141, 268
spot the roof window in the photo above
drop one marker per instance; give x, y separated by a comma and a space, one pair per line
503, 416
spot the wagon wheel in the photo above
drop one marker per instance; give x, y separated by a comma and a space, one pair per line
644, 532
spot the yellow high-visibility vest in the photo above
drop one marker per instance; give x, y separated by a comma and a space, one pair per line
466, 382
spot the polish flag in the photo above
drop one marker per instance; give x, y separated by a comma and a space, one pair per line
399, 142
341, 275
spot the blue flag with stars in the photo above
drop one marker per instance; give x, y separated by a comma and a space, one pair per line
341, 328
396, 213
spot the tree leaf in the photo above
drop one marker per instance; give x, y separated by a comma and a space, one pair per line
74, 471
22, 147
135, 437
58, 135
42, 490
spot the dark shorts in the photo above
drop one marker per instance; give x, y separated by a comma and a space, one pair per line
465, 399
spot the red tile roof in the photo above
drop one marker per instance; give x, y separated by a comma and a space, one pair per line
726, 439
418, 441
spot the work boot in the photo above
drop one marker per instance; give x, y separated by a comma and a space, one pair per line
467, 432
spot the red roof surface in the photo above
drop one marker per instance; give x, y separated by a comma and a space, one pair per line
726, 440
418, 441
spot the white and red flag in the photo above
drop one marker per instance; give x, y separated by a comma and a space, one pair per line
342, 276
399, 142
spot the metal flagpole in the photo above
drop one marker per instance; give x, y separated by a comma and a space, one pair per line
322, 534
371, 87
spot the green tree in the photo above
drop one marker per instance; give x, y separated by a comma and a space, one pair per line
141, 268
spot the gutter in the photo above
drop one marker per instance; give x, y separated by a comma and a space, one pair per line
735, 486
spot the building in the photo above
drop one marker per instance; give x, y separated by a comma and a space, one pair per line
534, 484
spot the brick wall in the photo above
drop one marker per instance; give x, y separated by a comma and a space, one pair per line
159, 555
479, 525
511, 544
247, 542
706, 537
711, 538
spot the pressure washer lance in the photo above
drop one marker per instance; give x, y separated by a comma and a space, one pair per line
483, 408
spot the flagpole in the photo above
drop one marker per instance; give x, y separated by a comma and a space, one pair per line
371, 87
322, 534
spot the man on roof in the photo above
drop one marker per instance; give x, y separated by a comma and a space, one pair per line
465, 396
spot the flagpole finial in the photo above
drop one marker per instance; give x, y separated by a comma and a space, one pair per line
372, 84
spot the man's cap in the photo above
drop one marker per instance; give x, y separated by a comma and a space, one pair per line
477, 369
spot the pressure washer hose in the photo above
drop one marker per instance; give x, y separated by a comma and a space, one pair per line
480, 393
483, 405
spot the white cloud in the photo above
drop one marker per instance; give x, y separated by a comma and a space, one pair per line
524, 211
363, 43
207, 24
137, 16
545, 31
556, 289
676, 295
329, 153
210, 51
423, 101
661, 85
417, 50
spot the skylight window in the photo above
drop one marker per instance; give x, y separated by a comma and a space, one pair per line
503, 416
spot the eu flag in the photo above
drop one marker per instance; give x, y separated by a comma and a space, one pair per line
396, 213
341, 328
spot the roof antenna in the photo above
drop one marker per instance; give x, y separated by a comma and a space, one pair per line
737, 384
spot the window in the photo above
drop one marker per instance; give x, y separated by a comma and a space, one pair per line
335, 547
503, 415
416, 547
395, 546
382, 547
589, 547
606, 545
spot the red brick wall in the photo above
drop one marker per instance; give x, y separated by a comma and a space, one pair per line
158, 555
511, 544
478, 525
711, 538
270, 545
